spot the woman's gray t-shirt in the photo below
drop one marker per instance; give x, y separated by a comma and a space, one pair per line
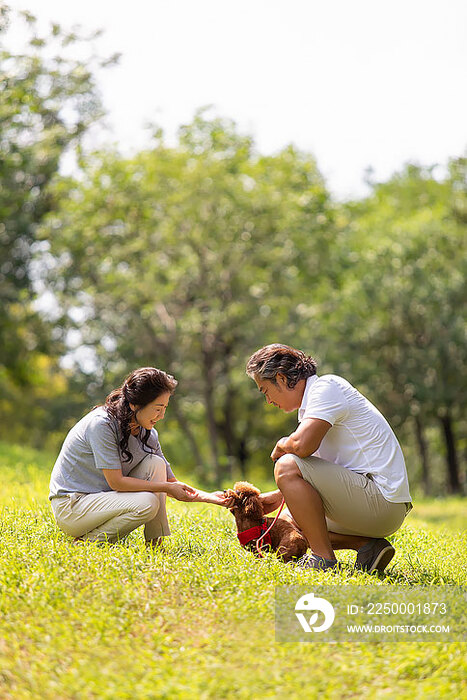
92, 445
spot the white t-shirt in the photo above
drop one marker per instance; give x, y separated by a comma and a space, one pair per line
360, 439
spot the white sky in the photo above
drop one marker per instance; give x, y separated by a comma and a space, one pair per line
356, 82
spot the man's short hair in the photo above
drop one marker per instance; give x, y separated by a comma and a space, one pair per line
275, 359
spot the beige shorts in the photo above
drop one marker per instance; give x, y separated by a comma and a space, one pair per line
352, 502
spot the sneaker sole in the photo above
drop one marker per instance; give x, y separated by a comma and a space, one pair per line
382, 560
303, 566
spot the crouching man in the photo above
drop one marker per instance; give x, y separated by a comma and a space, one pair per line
342, 472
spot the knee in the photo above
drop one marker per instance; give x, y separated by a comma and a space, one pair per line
155, 461
286, 468
148, 506
153, 467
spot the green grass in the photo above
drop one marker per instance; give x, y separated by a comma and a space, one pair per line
110, 622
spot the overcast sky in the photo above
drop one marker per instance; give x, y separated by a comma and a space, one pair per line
358, 83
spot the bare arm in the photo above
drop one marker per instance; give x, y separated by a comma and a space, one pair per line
271, 501
174, 488
218, 498
304, 441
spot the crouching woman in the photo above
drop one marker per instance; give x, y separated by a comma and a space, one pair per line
111, 475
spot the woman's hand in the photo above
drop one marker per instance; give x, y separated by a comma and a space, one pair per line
218, 498
181, 491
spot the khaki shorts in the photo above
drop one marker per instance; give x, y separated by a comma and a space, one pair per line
352, 502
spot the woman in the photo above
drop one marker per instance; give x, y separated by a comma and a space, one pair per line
341, 472
111, 475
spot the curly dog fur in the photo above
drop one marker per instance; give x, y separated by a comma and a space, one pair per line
248, 511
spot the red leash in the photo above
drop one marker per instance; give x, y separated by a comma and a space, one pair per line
258, 549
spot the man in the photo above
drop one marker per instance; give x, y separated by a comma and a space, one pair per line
341, 472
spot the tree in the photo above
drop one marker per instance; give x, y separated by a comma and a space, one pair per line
400, 309
48, 102
190, 257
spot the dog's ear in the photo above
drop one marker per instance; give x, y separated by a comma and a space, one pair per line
252, 506
234, 497
249, 501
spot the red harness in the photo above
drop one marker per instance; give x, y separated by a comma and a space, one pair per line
259, 532
254, 533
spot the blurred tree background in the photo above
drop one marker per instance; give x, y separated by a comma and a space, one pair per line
190, 256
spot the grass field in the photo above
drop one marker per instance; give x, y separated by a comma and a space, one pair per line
197, 620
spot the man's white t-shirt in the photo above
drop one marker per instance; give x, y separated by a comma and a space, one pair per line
360, 439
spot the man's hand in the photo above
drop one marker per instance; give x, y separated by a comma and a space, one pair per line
279, 449
181, 491
304, 441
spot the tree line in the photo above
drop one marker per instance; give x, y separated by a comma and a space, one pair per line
190, 256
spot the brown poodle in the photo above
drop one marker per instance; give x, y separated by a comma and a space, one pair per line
247, 509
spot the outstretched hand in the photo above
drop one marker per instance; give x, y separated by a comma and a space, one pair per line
181, 491
218, 498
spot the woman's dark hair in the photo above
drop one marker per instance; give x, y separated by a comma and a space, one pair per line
140, 388
276, 359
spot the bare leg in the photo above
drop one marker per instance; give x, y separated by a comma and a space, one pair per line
305, 505
339, 541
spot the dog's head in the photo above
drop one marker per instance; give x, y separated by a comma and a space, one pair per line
245, 500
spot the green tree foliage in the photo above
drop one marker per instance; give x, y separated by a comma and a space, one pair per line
401, 304
190, 258
47, 102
